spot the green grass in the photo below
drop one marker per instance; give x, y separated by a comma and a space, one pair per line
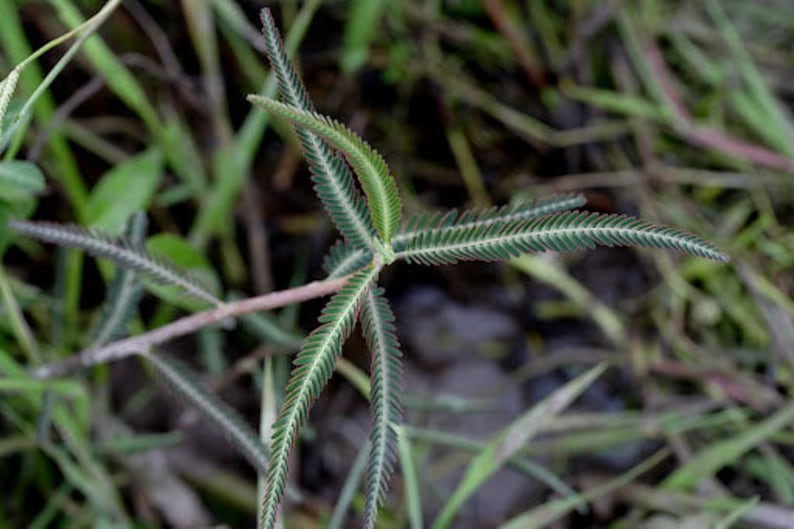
682, 110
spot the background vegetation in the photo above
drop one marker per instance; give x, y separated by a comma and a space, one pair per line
678, 111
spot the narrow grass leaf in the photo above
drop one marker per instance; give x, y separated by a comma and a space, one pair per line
332, 177
720, 454
220, 415
362, 24
125, 253
377, 322
349, 489
778, 118
545, 515
124, 293
617, 102
441, 243
383, 198
233, 163
504, 445
313, 368
413, 497
525, 466
736, 515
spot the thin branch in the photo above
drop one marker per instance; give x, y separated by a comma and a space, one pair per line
189, 324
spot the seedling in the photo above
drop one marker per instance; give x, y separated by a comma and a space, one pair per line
375, 234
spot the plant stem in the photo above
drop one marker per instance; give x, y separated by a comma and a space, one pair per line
143, 343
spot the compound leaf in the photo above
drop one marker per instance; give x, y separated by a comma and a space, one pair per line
185, 383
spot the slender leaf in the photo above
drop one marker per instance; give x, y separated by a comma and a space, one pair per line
377, 322
123, 294
710, 460
505, 444
332, 177
344, 259
125, 253
373, 173
313, 367
413, 497
224, 418
349, 489
363, 21
439, 243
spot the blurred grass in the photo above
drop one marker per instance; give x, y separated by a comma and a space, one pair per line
678, 111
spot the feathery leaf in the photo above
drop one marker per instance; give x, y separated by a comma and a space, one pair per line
441, 243
383, 198
377, 322
313, 367
125, 253
228, 422
124, 292
332, 178
343, 258
484, 217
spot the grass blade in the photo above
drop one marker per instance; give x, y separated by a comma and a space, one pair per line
509, 441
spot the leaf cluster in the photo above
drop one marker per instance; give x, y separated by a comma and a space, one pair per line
356, 187
372, 239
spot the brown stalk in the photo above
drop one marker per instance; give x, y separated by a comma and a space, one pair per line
143, 343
